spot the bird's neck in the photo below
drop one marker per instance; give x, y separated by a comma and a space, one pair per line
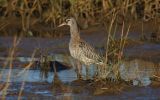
75, 34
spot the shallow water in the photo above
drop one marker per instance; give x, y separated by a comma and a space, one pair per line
37, 91
19, 75
138, 71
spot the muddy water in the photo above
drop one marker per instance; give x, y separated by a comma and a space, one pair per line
138, 71
41, 92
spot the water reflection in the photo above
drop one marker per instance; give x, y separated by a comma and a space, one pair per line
34, 76
137, 70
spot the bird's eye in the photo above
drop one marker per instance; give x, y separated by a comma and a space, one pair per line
67, 20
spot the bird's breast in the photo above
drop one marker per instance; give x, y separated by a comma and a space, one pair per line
78, 54
73, 50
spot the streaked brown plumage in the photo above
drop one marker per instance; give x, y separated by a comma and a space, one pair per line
80, 49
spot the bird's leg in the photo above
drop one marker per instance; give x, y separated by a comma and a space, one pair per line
97, 71
79, 70
87, 73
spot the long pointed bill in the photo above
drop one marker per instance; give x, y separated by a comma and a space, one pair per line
64, 23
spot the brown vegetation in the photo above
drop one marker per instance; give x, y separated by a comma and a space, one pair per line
28, 16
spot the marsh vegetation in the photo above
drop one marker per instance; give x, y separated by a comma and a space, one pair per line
126, 32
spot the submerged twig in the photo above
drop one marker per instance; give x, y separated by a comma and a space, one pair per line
26, 68
10, 62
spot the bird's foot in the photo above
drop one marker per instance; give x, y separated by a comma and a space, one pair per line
79, 77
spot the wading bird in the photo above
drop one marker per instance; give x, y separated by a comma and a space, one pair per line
80, 49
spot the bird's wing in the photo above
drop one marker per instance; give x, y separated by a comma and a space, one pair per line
90, 52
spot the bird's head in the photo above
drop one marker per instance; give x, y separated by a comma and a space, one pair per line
70, 21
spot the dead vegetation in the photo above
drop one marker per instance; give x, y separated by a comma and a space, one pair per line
27, 14
47, 14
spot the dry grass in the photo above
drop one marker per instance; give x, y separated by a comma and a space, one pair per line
114, 49
27, 67
9, 62
52, 13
